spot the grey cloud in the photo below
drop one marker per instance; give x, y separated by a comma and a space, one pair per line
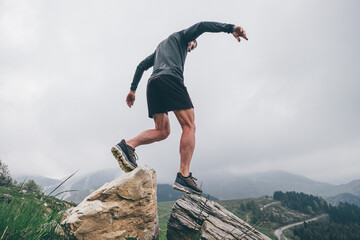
290, 94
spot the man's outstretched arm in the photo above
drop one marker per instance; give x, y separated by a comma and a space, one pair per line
196, 30
143, 66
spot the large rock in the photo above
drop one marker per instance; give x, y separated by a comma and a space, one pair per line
195, 217
123, 208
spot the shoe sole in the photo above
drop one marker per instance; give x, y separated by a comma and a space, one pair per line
179, 187
120, 157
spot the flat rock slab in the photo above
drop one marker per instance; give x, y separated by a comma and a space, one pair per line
195, 217
123, 208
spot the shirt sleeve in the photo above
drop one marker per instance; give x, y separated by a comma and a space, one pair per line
143, 66
196, 30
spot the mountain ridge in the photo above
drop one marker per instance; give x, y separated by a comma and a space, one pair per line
222, 187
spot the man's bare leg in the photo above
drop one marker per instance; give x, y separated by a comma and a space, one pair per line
186, 119
161, 131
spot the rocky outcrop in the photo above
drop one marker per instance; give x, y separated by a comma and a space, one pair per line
195, 217
123, 208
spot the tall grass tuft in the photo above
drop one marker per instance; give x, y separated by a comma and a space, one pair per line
31, 216
27, 218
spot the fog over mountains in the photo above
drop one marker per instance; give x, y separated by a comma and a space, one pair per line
222, 187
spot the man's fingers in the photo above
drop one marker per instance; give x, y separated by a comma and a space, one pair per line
239, 32
130, 99
244, 35
130, 103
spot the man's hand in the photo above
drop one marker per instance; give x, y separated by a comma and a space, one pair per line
130, 99
239, 32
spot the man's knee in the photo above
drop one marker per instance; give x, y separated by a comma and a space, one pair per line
163, 134
189, 126
162, 126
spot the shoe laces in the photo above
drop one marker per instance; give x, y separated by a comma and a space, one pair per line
193, 179
132, 153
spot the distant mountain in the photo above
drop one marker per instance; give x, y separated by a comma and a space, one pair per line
80, 186
165, 193
40, 180
223, 187
87, 184
84, 185
353, 187
344, 197
262, 184
47, 184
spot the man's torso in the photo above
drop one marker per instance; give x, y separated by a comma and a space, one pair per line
170, 56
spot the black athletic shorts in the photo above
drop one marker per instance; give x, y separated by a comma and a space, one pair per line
167, 93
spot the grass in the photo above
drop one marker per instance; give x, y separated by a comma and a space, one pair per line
164, 210
26, 217
242, 209
31, 215
289, 234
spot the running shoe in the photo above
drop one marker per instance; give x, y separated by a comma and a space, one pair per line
186, 184
125, 155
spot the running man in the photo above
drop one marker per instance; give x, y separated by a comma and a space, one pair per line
166, 92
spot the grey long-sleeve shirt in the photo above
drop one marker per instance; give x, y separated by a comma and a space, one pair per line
169, 56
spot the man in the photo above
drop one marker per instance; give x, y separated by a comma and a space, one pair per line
166, 92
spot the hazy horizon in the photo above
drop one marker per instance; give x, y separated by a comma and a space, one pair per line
80, 175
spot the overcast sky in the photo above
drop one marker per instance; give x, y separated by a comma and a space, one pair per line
287, 99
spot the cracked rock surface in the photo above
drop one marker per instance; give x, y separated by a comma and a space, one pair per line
123, 208
195, 217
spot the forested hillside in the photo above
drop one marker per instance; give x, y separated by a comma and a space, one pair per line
343, 221
302, 202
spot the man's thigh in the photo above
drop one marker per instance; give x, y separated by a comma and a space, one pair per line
186, 117
161, 121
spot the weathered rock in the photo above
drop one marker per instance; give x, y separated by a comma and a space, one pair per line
123, 208
194, 216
